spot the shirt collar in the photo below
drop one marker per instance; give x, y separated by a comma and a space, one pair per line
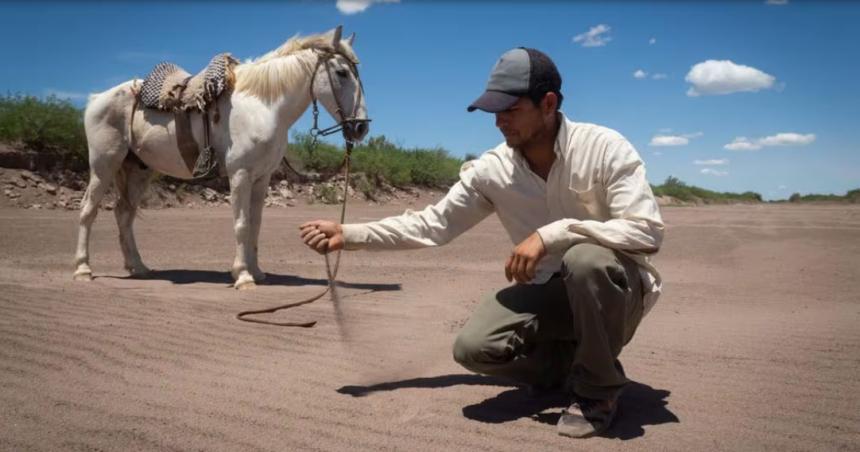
561, 136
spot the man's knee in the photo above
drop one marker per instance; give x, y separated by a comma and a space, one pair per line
586, 261
596, 277
468, 348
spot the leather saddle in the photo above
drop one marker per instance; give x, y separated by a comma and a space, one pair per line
170, 88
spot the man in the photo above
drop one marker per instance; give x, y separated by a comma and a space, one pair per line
574, 199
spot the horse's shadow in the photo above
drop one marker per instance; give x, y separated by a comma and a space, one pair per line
184, 276
640, 404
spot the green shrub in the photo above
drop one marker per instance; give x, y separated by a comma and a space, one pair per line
321, 157
381, 161
852, 196
328, 194
44, 125
433, 167
678, 189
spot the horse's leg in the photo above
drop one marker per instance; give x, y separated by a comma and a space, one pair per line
101, 176
258, 200
240, 199
131, 183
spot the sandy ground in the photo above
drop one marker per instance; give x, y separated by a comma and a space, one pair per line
754, 346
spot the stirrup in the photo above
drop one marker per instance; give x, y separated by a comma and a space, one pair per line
205, 163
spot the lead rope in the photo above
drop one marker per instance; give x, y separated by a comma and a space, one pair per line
316, 133
331, 273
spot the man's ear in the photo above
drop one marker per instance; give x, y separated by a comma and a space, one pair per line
549, 104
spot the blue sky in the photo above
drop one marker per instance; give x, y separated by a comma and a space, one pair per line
731, 96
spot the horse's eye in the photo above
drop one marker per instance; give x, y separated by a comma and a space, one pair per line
341, 72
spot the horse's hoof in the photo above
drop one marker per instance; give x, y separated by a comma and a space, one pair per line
245, 282
83, 276
259, 277
139, 273
249, 285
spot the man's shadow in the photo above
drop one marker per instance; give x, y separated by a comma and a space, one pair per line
184, 276
639, 405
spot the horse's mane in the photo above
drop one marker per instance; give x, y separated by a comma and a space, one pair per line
270, 75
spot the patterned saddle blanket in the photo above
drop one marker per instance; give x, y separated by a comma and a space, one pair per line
170, 88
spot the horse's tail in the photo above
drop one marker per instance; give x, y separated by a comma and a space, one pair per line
121, 184
125, 177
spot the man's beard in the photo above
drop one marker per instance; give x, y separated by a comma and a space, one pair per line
520, 145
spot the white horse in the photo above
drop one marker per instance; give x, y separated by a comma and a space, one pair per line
250, 139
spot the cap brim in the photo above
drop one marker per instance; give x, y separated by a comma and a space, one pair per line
493, 102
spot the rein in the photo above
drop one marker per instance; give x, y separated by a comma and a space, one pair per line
316, 132
331, 273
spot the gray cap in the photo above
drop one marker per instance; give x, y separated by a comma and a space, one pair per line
518, 72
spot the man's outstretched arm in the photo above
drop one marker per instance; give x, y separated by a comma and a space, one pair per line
461, 208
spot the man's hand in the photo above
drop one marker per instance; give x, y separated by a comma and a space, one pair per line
523, 260
322, 236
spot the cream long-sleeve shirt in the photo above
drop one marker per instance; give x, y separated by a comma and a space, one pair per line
596, 191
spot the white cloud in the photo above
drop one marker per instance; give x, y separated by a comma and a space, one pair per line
714, 172
71, 95
776, 2
788, 139
725, 77
673, 140
356, 6
594, 37
652, 41
780, 139
641, 75
711, 162
742, 144
668, 140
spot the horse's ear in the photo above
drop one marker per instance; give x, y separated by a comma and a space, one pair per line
351, 39
338, 32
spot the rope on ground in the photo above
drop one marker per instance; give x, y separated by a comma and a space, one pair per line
331, 273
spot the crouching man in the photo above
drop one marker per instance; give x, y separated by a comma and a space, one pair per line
575, 201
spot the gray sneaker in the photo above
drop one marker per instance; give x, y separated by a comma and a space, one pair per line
586, 417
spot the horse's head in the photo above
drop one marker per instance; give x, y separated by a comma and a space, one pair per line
337, 86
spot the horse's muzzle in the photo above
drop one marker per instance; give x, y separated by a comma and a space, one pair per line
356, 129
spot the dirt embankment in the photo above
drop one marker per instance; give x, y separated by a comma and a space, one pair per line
64, 189
33, 180
36, 180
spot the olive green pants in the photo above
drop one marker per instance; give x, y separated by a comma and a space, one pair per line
565, 333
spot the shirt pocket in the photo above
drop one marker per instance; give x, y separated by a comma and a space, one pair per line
588, 199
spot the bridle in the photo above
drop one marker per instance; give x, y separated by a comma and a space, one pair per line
325, 58
351, 121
